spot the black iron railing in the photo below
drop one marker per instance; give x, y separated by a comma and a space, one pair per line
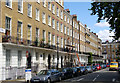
22, 41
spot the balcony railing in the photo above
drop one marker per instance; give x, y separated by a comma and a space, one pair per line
21, 41
87, 34
87, 41
99, 48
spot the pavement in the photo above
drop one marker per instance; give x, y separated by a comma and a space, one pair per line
14, 81
101, 76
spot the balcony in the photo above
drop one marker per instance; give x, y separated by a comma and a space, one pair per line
99, 48
87, 34
104, 52
15, 40
99, 42
87, 41
21, 41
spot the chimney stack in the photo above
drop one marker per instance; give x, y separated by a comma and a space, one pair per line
68, 11
85, 26
75, 17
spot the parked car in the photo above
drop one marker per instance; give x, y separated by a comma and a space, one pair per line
76, 71
46, 76
94, 68
105, 65
113, 66
66, 73
83, 70
119, 67
89, 69
102, 66
108, 65
98, 66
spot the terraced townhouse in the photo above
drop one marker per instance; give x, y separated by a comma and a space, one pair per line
47, 33
109, 50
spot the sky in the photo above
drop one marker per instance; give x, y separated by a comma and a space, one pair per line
83, 15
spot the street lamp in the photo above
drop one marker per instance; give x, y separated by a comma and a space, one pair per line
57, 55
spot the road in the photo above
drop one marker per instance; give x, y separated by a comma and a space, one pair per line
101, 76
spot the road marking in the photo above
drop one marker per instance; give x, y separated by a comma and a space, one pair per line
117, 82
80, 79
113, 79
94, 79
97, 75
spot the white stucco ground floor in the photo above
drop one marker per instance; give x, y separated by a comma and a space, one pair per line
97, 58
13, 59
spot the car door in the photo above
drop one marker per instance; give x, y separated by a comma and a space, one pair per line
52, 76
57, 75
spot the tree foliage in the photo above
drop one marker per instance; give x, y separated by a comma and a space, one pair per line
118, 51
90, 59
109, 11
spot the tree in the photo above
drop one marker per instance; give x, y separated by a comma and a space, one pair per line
118, 53
90, 58
109, 11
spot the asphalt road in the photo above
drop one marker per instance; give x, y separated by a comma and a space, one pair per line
101, 76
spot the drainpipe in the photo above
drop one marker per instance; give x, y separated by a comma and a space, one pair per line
72, 43
57, 56
79, 36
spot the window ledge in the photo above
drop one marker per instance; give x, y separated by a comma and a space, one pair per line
38, 2
44, 23
49, 9
9, 7
37, 20
30, 17
49, 25
44, 6
53, 13
20, 12
53, 28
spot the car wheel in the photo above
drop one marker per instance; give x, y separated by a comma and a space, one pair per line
49, 80
72, 75
60, 78
27, 81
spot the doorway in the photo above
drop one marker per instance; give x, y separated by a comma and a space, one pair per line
49, 63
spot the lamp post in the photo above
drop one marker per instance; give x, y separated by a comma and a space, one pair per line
57, 56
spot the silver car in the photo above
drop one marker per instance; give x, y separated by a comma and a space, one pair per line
46, 76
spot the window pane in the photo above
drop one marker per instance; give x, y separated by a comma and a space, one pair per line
7, 25
37, 33
29, 10
8, 58
29, 33
19, 28
19, 58
37, 56
20, 5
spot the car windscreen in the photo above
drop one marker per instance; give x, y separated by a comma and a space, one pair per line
44, 72
88, 67
97, 65
81, 67
113, 64
119, 65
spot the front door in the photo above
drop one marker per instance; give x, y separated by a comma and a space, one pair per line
49, 63
61, 62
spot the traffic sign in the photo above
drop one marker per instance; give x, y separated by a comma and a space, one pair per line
28, 74
2, 30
